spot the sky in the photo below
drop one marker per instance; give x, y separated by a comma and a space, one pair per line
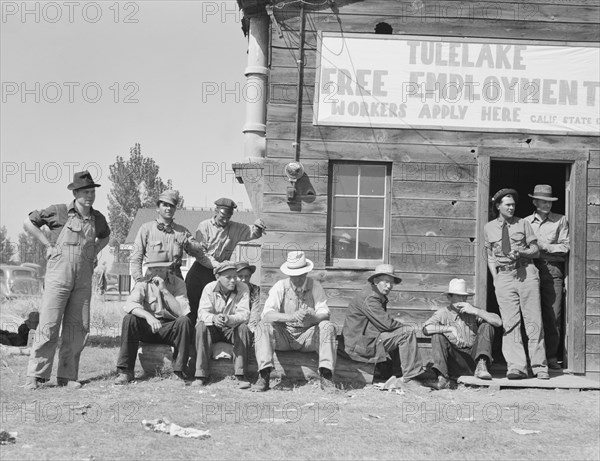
82, 82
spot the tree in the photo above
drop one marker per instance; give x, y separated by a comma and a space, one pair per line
7, 248
135, 185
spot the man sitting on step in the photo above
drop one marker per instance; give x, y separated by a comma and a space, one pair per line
223, 315
156, 309
461, 337
295, 318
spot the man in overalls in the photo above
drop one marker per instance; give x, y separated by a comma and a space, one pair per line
78, 234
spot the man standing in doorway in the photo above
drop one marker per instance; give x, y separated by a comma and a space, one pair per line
218, 237
511, 245
552, 231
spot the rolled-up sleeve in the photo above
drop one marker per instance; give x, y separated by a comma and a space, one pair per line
274, 300
46, 217
135, 298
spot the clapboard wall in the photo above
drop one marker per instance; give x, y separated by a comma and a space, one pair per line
433, 218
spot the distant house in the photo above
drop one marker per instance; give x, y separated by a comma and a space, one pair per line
190, 218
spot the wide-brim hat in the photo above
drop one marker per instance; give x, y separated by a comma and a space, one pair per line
297, 264
458, 287
240, 266
82, 180
169, 196
543, 192
385, 269
158, 259
498, 196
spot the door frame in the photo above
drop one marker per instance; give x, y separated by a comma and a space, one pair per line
575, 204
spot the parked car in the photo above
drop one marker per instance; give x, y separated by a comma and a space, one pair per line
18, 281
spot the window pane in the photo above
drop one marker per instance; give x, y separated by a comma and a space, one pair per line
372, 179
344, 244
345, 179
370, 244
371, 212
344, 212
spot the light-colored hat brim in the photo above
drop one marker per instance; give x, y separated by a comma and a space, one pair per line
301, 270
397, 279
547, 199
460, 293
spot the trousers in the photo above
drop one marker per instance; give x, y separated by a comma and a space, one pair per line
551, 293
452, 361
518, 295
270, 337
207, 335
196, 279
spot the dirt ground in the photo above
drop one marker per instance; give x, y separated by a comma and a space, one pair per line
102, 421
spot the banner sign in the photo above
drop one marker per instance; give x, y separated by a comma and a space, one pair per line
397, 81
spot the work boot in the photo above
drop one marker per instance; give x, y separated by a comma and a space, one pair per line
542, 375
516, 374
199, 382
122, 379
481, 371
553, 364
262, 383
326, 379
71, 384
242, 382
32, 383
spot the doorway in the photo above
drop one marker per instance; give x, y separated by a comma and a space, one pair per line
523, 176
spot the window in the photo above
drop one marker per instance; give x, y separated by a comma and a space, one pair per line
359, 214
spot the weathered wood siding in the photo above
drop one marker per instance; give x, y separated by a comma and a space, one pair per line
592, 318
434, 172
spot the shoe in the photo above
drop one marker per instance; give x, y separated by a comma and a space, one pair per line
71, 384
122, 379
32, 383
415, 385
262, 384
516, 374
242, 382
554, 365
326, 383
199, 382
542, 375
180, 376
481, 371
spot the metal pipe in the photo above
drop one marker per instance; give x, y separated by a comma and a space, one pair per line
256, 87
300, 87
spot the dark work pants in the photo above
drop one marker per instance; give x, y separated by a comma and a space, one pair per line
177, 333
551, 297
402, 343
196, 279
453, 362
207, 335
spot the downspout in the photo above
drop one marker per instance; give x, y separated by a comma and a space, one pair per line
256, 87
300, 87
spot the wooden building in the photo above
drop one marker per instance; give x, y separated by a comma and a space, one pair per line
405, 172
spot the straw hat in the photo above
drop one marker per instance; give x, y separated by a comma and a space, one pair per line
297, 264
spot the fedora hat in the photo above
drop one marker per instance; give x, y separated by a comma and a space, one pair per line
458, 287
169, 196
240, 266
384, 269
158, 259
297, 264
82, 180
543, 192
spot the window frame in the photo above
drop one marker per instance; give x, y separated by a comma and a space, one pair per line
364, 264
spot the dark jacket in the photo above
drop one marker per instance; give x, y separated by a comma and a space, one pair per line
366, 319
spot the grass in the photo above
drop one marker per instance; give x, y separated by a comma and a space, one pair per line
103, 421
